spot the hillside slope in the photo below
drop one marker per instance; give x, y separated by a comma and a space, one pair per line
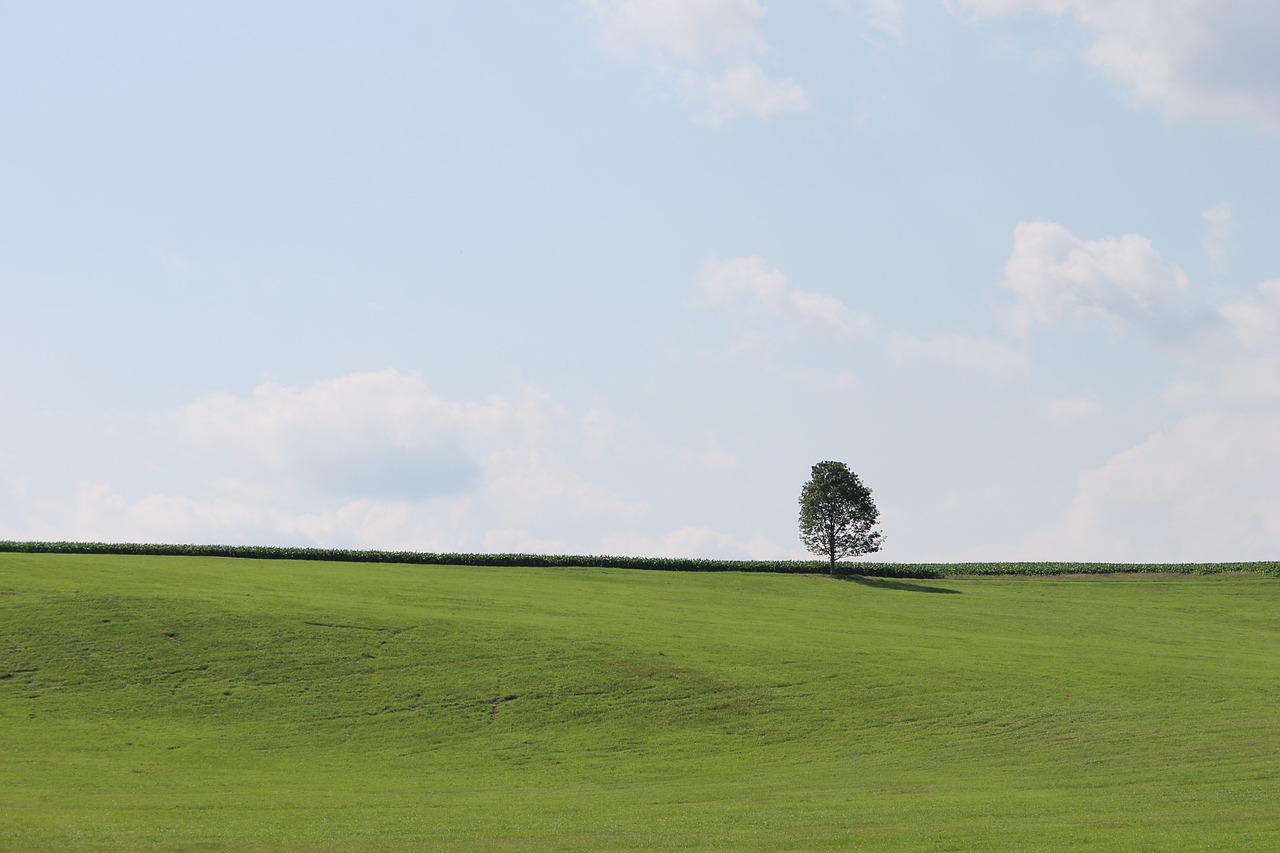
209, 703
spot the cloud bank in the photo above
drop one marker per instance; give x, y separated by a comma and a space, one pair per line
379, 460
1213, 59
1202, 490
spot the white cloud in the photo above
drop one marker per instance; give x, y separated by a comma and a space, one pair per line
1255, 319
994, 359
1211, 58
1220, 228
1058, 276
1071, 412
232, 511
24, 515
1186, 392
707, 51
1251, 375
243, 513
752, 287
1204, 490
370, 434
370, 460
1249, 380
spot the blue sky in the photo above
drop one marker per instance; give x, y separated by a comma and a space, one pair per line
608, 276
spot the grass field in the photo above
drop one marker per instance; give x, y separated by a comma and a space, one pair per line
186, 703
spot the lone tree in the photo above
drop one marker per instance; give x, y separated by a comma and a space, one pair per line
837, 514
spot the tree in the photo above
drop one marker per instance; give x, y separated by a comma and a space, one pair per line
837, 514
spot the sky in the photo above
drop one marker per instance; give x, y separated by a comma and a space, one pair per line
609, 276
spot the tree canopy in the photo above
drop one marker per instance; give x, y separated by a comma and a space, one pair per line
837, 514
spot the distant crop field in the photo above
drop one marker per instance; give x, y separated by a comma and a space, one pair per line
672, 564
206, 703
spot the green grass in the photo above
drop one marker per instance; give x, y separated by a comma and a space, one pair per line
187, 703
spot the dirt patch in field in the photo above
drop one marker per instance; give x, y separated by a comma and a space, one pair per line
497, 703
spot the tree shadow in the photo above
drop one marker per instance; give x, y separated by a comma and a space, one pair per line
894, 583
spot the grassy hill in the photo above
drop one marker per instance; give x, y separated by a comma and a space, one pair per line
196, 703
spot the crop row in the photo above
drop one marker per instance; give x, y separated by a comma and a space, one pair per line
675, 564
